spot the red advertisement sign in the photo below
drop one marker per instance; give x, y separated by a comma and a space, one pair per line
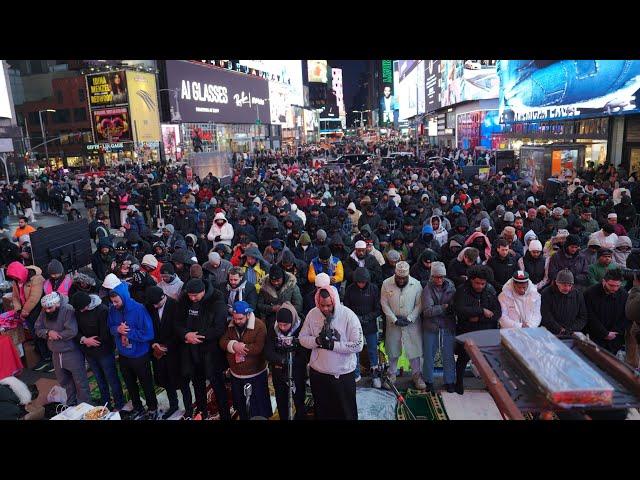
112, 124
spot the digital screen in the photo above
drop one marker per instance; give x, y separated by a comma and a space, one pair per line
336, 85
112, 124
317, 70
465, 80
410, 93
5, 101
476, 129
432, 85
287, 72
549, 89
210, 94
107, 89
171, 140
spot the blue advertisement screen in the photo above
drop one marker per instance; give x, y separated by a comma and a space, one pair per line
552, 89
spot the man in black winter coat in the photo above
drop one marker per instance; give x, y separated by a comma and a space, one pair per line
200, 323
503, 264
103, 258
282, 337
606, 303
421, 270
360, 258
458, 267
563, 308
363, 297
166, 349
477, 308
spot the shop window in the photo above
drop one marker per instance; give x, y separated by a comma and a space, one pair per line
59, 97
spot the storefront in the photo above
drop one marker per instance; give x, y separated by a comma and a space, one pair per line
631, 148
109, 154
218, 110
569, 144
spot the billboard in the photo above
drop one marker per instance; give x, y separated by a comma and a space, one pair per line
476, 129
432, 85
210, 94
5, 100
112, 124
143, 105
410, 93
288, 72
550, 89
465, 80
171, 140
317, 70
107, 89
336, 85
279, 104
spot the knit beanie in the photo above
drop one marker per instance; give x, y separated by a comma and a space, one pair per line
325, 253
55, 267
305, 239
79, 300
438, 269
195, 271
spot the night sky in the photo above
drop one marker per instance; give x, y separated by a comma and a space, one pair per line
351, 70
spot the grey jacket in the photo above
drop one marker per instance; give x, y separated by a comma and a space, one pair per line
65, 324
434, 316
219, 275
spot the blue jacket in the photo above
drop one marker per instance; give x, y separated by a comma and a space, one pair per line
136, 316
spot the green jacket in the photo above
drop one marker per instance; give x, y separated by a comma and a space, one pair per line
597, 272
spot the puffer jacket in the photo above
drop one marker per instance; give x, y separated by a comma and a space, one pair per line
468, 303
365, 303
225, 232
434, 316
33, 285
64, 323
269, 296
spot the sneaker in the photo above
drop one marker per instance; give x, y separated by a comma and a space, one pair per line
418, 382
358, 378
50, 368
377, 383
153, 415
450, 387
41, 365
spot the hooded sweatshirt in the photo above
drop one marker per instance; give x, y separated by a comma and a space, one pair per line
354, 217
341, 360
173, 288
441, 234
137, 318
621, 257
92, 323
487, 244
519, 309
225, 232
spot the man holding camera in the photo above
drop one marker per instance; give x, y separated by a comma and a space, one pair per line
283, 344
333, 334
401, 300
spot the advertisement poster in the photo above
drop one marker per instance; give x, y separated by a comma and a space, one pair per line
336, 85
476, 129
489, 128
112, 124
171, 140
317, 70
279, 103
563, 162
210, 94
288, 72
143, 105
432, 85
465, 80
107, 89
405, 67
549, 89
5, 101
408, 95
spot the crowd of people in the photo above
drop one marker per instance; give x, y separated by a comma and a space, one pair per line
226, 282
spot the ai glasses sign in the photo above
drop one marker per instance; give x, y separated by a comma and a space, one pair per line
209, 94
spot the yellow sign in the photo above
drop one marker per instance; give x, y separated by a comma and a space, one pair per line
143, 106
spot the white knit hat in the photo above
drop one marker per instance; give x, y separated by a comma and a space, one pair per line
322, 280
150, 261
361, 244
111, 281
535, 246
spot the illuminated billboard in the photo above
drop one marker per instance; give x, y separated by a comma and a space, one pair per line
317, 70
550, 89
465, 80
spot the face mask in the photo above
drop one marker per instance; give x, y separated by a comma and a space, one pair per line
304, 247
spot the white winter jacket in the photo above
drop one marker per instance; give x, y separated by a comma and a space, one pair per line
225, 232
519, 309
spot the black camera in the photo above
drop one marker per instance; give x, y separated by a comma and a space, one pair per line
287, 344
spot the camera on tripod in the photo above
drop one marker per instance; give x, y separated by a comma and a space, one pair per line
630, 274
287, 344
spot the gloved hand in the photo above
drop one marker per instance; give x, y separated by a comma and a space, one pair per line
325, 342
217, 238
402, 321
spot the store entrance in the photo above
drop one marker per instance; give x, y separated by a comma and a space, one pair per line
633, 158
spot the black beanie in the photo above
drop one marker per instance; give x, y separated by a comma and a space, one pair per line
79, 300
361, 275
572, 240
153, 295
276, 272
325, 253
284, 315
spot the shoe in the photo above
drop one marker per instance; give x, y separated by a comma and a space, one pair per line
153, 415
418, 382
377, 383
459, 388
358, 378
169, 413
50, 368
41, 365
450, 387
429, 388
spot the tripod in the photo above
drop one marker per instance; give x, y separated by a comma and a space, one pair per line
290, 382
383, 368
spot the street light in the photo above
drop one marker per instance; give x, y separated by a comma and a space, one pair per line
44, 136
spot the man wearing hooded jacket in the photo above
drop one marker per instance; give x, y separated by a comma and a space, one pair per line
333, 334
132, 328
281, 337
221, 230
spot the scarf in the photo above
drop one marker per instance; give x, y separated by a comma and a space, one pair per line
357, 260
236, 294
